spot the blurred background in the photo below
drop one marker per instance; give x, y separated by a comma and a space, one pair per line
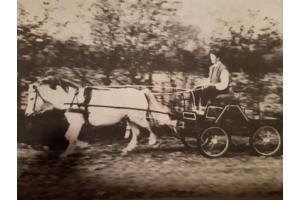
152, 42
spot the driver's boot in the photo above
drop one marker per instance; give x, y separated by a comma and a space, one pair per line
201, 110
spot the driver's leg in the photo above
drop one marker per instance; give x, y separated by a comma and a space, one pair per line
197, 94
207, 94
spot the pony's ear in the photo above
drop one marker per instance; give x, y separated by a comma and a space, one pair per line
32, 79
64, 85
31, 86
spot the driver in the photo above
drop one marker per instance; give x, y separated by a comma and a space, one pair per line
217, 83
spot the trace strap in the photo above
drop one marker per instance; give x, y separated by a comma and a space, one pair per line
75, 96
120, 107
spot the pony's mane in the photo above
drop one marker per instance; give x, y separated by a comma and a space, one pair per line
54, 82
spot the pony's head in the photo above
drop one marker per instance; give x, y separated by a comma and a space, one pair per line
36, 103
46, 95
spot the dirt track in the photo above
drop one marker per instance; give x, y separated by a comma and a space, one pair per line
100, 172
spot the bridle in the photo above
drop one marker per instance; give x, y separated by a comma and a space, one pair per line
37, 94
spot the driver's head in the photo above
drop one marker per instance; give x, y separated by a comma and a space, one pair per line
215, 56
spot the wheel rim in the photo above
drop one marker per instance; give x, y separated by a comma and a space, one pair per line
214, 142
266, 141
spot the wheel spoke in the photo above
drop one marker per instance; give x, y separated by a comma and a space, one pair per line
274, 141
210, 146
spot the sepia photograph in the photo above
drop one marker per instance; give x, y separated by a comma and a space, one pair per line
150, 99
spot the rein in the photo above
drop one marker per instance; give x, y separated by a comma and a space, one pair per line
86, 104
120, 107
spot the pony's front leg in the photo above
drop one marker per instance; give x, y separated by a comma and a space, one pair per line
76, 121
133, 142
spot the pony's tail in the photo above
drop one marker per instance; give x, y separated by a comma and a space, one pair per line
153, 105
152, 102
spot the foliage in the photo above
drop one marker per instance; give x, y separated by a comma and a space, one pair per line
42, 50
250, 49
142, 36
139, 35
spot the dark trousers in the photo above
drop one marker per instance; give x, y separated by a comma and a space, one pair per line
206, 94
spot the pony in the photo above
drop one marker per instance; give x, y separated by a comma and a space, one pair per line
99, 107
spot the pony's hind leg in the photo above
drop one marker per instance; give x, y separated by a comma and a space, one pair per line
127, 130
142, 122
76, 121
133, 142
152, 138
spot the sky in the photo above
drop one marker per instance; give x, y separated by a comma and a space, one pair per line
201, 13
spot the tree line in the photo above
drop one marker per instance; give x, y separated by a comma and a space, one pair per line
142, 36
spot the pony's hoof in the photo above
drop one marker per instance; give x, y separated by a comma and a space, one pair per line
124, 152
156, 145
82, 145
63, 155
152, 143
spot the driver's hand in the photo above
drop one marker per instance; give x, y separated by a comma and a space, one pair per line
206, 86
209, 84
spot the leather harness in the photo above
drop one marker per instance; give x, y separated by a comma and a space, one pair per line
87, 95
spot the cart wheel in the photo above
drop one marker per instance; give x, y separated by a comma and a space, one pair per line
266, 141
214, 142
189, 142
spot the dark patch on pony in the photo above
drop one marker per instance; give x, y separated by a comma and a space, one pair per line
54, 82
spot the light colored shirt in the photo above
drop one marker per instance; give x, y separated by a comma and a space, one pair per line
218, 76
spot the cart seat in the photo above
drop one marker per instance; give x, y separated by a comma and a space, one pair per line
225, 99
